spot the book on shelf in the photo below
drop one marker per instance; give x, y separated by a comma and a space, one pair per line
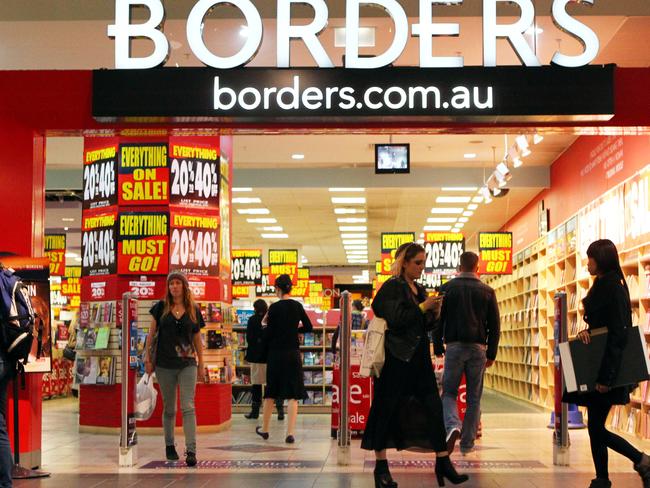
309, 339
317, 377
103, 334
307, 377
81, 339
106, 374
329, 377
90, 338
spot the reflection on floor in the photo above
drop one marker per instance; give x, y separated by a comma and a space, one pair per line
516, 450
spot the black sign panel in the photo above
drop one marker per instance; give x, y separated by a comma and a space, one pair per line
506, 93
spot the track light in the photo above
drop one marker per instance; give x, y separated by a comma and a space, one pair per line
522, 142
537, 138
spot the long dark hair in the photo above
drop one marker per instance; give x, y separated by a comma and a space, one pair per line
403, 255
605, 254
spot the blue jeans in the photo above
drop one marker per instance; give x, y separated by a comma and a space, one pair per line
469, 359
185, 379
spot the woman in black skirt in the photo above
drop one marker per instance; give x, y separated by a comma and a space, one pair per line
406, 410
284, 377
607, 304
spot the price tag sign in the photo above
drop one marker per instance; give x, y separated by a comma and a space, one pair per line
143, 243
194, 174
246, 267
98, 238
266, 289
495, 253
443, 252
390, 242
283, 261
195, 244
55, 251
99, 174
143, 174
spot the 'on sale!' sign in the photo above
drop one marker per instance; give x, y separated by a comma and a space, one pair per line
143, 174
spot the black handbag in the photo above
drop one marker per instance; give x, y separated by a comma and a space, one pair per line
69, 353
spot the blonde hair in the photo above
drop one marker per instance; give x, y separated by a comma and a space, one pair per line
403, 255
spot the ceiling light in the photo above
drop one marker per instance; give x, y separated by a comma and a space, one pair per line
459, 225
441, 220
352, 253
246, 200
254, 211
477, 199
421, 235
303, 259
354, 235
537, 138
357, 261
353, 228
275, 235
502, 168
459, 188
496, 191
241, 189
66, 228
78, 260
343, 211
297, 156
453, 199
516, 162
262, 220
67, 219
71, 255
351, 220
472, 206
273, 228
346, 189
522, 142
534, 30
455, 231
467, 213
448, 210
355, 241
469, 155
348, 200
463, 219
354, 247
525, 152
486, 194
436, 227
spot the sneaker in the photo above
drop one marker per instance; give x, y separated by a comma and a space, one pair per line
452, 437
190, 459
171, 454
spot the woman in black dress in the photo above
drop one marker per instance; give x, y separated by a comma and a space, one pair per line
607, 304
284, 377
406, 410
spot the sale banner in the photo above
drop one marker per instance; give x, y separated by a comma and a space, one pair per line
225, 214
55, 251
194, 243
390, 242
143, 174
283, 261
495, 253
266, 289
246, 267
443, 250
359, 401
241, 291
194, 173
315, 294
143, 243
99, 174
302, 286
98, 237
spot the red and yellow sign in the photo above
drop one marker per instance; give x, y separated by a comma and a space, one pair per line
390, 242
266, 289
241, 291
98, 237
283, 261
55, 251
143, 174
143, 243
302, 287
194, 242
442, 251
495, 253
99, 176
194, 172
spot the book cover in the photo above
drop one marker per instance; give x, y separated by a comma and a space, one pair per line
307, 377
81, 339
105, 374
90, 338
103, 334
86, 370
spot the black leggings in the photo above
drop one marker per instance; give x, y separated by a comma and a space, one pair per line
600, 439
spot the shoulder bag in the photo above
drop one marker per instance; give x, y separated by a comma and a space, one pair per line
374, 354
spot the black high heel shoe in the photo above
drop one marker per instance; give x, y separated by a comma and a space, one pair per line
384, 480
444, 469
263, 435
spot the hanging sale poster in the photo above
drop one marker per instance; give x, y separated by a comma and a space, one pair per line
443, 250
246, 267
266, 289
495, 253
55, 251
194, 243
143, 174
98, 237
241, 291
71, 285
143, 243
193, 173
315, 296
100, 171
390, 242
637, 209
302, 286
283, 261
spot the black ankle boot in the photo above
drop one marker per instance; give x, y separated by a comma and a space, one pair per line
383, 479
254, 413
444, 469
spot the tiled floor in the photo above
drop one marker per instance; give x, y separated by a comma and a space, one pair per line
516, 451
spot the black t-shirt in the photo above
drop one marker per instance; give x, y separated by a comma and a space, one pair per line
175, 345
282, 324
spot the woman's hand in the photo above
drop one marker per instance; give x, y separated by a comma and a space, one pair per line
584, 336
148, 367
200, 373
601, 388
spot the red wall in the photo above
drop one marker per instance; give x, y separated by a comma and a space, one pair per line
590, 167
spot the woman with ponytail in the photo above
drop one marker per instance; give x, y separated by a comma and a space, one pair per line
607, 304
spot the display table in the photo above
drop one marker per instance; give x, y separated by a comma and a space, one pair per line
99, 409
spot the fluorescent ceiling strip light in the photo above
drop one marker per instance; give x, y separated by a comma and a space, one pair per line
364, 251
67, 219
469, 213
354, 247
441, 220
343, 211
459, 225
355, 235
348, 200
447, 210
453, 199
355, 241
246, 200
469, 155
273, 228
71, 255
437, 227
262, 220
455, 231
459, 188
463, 219
297, 156
253, 211
275, 236
353, 228
477, 199
241, 189
340, 190
472, 206
351, 220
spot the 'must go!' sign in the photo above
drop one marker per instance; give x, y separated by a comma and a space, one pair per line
495, 252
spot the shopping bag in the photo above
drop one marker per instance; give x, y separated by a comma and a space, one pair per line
372, 359
145, 398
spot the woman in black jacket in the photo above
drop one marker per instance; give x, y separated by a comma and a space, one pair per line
406, 410
607, 304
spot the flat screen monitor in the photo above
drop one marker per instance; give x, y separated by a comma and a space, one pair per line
392, 158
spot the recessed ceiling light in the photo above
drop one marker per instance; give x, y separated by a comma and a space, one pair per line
241, 189
351, 220
353, 228
67, 219
343, 211
273, 228
275, 236
469, 155
448, 210
441, 220
355, 235
459, 188
468, 213
355, 241
437, 227
297, 156
246, 200
453, 199
348, 200
333, 190
66, 228
262, 220
463, 219
253, 211
472, 206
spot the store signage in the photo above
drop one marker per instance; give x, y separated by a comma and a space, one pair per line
123, 31
194, 174
55, 251
99, 174
495, 253
246, 267
302, 286
98, 237
283, 261
143, 174
390, 242
637, 209
143, 244
443, 252
505, 93
266, 289
194, 243
240, 291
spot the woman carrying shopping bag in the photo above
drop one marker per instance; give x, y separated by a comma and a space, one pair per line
406, 410
173, 350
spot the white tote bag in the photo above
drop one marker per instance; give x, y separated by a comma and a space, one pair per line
145, 398
372, 360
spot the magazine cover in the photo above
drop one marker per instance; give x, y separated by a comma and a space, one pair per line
106, 369
86, 371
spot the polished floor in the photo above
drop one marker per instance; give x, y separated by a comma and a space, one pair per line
515, 451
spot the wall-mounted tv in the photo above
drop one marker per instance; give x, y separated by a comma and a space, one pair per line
392, 158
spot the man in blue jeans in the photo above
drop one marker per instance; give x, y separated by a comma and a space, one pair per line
469, 327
